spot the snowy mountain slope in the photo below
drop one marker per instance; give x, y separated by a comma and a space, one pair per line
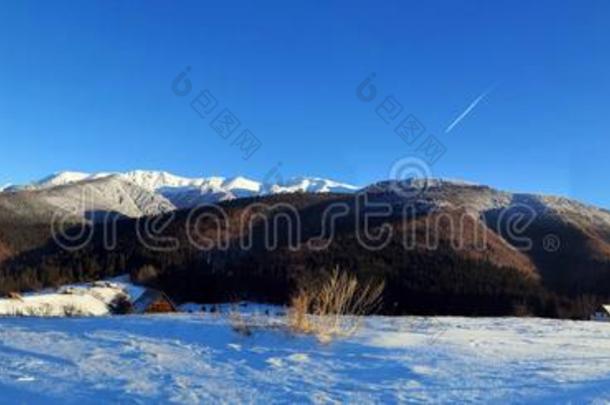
110, 194
58, 179
220, 189
185, 192
309, 185
480, 199
198, 358
25, 207
92, 198
154, 180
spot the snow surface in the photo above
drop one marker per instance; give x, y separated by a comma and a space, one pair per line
198, 358
89, 299
63, 178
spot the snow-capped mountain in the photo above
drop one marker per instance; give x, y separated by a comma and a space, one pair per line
142, 192
93, 198
481, 199
60, 179
159, 180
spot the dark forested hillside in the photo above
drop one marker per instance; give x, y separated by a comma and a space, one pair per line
430, 265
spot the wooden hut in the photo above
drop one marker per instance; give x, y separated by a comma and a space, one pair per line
153, 301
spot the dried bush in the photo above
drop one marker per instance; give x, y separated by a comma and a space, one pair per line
334, 307
14, 296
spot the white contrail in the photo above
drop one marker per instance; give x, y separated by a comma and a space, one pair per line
468, 109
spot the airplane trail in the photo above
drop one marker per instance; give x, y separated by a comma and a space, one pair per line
468, 109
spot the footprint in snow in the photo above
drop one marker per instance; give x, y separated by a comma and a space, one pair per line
275, 362
234, 346
299, 357
296, 358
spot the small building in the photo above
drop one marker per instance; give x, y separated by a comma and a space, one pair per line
153, 301
602, 314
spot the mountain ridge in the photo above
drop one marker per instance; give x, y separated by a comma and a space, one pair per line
156, 179
150, 192
576, 266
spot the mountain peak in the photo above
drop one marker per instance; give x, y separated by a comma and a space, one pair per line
420, 183
242, 183
186, 192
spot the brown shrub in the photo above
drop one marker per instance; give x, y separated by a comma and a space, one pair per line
334, 307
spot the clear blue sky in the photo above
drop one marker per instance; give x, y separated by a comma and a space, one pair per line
87, 86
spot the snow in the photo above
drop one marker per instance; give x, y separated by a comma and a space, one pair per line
90, 299
242, 183
310, 185
198, 358
154, 181
111, 195
53, 305
147, 192
63, 178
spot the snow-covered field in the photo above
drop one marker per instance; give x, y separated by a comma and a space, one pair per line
198, 358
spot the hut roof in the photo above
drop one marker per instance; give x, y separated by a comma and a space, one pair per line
148, 298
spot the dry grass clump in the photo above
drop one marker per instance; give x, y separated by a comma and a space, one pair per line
334, 307
238, 323
14, 296
245, 324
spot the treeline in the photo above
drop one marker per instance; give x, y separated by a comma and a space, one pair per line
437, 283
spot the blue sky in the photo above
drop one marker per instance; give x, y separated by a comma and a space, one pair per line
88, 86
